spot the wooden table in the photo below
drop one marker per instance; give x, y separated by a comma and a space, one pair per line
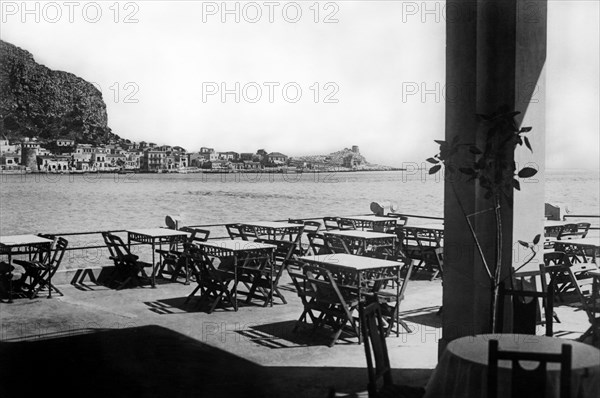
11, 245
237, 249
462, 369
364, 222
359, 241
578, 246
361, 270
153, 236
552, 228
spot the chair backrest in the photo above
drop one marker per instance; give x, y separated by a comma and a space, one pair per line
294, 270
196, 234
312, 226
374, 331
283, 253
400, 219
525, 310
235, 231
336, 244
43, 255
294, 234
569, 231
527, 382
57, 255
116, 247
583, 284
331, 223
345, 223
583, 228
317, 244
325, 288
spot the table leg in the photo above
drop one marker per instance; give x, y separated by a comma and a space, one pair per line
235, 281
10, 287
397, 310
272, 265
153, 266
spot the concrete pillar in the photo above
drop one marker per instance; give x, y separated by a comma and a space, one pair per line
495, 55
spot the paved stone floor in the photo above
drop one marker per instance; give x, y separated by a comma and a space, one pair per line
95, 341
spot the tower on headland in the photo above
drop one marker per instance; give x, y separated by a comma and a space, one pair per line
355, 149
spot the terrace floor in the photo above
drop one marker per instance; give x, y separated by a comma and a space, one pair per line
145, 342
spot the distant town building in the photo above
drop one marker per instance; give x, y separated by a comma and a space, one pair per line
153, 160
64, 142
229, 155
355, 149
54, 163
277, 158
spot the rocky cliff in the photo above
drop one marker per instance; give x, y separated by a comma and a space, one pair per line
38, 101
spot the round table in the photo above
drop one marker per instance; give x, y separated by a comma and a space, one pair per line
462, 369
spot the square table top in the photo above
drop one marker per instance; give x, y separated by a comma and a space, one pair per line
23, 240
371, 218
236, 245
271, 224
435, 226
590, 241
355, 233
554, 223
157, 232
357, 263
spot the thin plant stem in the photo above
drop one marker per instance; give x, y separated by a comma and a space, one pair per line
477, 244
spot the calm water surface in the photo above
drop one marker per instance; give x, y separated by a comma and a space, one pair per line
70, 203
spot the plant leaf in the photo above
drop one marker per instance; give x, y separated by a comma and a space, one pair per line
524, 244
474, 150
536, 240
432, 160
488, 195
525, 130
527, 172
435, 169
527, 143
440, 142
516, 184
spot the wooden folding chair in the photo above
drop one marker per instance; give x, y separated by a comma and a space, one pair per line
378, 363
128, 269
331, 223
421, 245
525, 310
214, 284
528, 382
317, 244
583, 228
583, 284
304, 291
336, 244
235, 231
175, 260
334, 304
40, 272
346, 224
386, 298
264, 281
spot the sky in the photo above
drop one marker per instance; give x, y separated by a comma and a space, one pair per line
296, 77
